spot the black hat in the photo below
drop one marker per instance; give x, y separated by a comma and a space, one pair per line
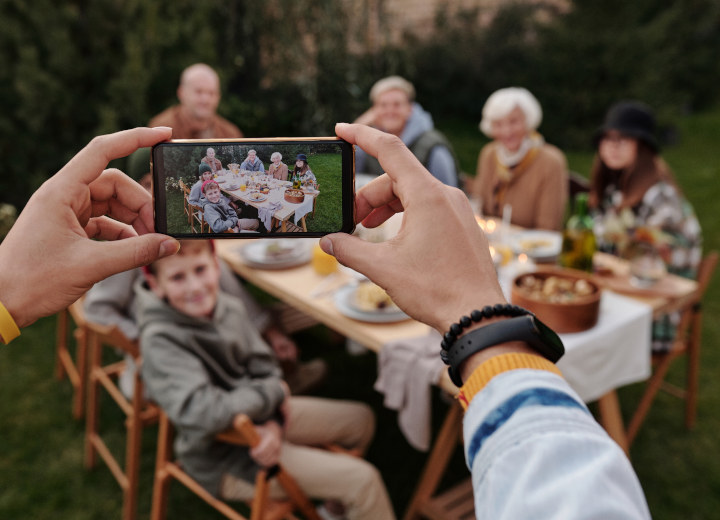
202, 168
301, 157
630, 118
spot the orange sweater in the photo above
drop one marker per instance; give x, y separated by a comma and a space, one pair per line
537, 195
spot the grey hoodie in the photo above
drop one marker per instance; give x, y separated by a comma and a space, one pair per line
440, 162
203, 372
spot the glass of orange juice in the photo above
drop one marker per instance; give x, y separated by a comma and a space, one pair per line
322, 262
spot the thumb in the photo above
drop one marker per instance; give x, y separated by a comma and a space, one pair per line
129, 253
353, 252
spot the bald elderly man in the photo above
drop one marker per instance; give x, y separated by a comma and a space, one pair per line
195, 117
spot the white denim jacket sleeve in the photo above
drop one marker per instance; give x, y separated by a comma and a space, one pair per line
535, 452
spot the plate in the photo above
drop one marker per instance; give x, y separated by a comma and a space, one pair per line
257, 197
232, 187
537, 244
256, 254
344, 301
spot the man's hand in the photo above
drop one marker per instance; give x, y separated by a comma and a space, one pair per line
438, 267
82, 225
285, 348
267, 452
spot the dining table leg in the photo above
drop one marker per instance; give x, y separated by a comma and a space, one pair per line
611, 419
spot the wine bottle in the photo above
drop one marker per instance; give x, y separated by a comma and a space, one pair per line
578, 244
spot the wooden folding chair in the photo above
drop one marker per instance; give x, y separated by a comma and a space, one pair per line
456, 503
261, 507
193, 212
138, 411
686, 343
65, 365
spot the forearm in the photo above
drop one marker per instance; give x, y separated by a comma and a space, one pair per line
529, 422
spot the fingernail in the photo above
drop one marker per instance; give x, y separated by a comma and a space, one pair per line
344, 124
162, 128
327, 245
169, 247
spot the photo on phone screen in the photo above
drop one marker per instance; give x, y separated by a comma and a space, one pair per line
252, 188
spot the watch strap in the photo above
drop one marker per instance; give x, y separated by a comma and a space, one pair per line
497, 365
527, 329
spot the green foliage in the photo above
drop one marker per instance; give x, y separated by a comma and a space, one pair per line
75, 69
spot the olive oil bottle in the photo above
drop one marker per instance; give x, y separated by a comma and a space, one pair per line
578, 244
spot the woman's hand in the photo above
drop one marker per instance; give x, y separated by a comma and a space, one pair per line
438, 267
267, 451
49, 259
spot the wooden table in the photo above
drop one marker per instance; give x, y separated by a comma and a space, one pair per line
294, 286
281, 215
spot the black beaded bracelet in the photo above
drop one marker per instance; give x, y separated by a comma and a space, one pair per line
476, 316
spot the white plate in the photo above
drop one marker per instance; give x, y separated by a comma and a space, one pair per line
255, 254
344, 301
537, 243
257, 197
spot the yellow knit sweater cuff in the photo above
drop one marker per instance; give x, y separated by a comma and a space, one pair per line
8, 328
496, 365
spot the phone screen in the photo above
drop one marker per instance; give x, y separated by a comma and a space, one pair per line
253, 188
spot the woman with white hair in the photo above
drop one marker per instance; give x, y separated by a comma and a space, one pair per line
518, 168
278, 169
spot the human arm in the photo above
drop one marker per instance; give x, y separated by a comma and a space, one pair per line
442, 166
110, 302
455, 251
218, 220
81, 226
195, 194
177, 380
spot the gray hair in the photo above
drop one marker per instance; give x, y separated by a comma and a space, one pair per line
276, 154
503, 101
392, 83
252, 151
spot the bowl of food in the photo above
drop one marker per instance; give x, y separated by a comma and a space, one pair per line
565, 300
295, 196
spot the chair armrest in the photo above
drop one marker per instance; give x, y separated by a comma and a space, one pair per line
242, 433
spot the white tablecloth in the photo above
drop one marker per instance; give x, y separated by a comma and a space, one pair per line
614, 353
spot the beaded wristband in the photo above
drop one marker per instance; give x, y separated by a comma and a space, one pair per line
8, 328
476, 316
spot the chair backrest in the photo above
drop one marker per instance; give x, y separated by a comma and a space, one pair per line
706, 271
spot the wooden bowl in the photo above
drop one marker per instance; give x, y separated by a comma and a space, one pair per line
294, 196
576, 313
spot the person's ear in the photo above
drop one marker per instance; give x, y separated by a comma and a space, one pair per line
179, 93
154, 285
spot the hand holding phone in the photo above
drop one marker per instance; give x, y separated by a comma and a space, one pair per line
254, 188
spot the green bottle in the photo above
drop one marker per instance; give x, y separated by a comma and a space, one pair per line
578, 245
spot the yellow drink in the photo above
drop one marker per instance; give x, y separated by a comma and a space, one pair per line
322, 262
243, 187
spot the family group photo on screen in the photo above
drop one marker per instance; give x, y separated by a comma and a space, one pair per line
253, 188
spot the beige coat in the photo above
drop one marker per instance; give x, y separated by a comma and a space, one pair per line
537, 195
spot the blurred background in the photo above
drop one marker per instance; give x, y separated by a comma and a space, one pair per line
73, 69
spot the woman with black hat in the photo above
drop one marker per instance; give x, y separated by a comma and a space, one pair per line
302, 170
637, 204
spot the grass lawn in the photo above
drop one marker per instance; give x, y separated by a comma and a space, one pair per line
41, 453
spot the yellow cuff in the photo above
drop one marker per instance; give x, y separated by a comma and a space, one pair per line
8, 328
496, 365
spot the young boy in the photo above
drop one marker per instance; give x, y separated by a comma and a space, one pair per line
204, 363
220, 215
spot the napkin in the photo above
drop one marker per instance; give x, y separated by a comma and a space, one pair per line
265, 213
407, 369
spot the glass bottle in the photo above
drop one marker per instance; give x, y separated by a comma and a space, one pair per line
578, 244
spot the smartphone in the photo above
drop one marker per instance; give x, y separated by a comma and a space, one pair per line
253, 188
